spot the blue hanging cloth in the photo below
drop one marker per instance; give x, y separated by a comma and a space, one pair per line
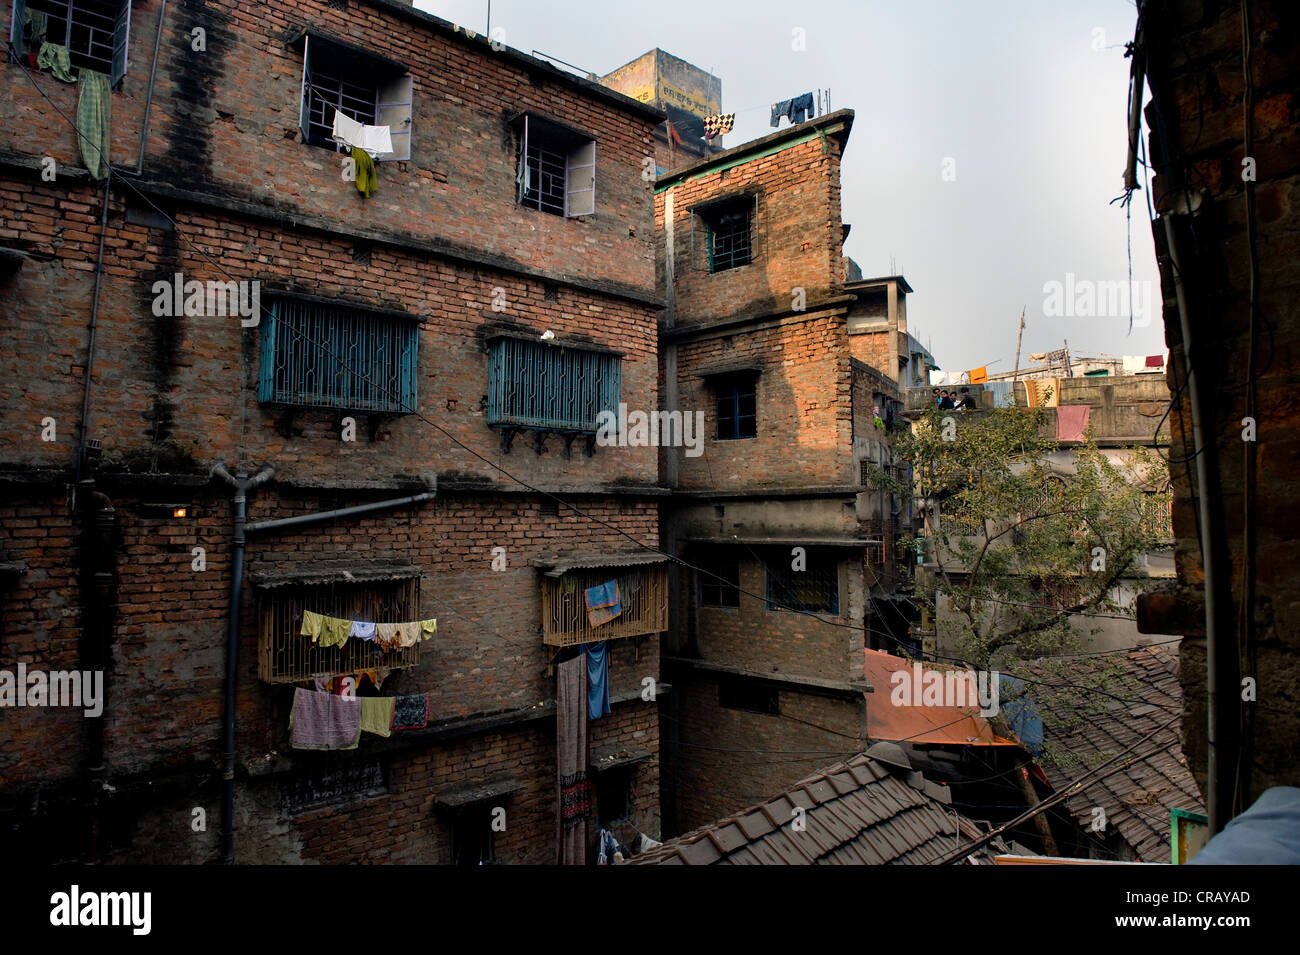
597, 680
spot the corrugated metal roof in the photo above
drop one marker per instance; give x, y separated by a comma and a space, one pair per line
334, 572
854, 813
559, 565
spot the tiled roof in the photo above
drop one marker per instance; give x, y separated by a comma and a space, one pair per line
1136, 801
858, 812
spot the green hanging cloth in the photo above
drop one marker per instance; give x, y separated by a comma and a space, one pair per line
94, 108
367, 178
55, 58
34, 29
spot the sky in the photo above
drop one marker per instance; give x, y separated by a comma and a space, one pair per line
988, 143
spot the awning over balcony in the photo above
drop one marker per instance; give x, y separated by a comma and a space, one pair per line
560, 565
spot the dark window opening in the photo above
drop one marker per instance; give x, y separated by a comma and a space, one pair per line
737, 406
730, 235
364, 88
815, 589
471, 836
613, 796
750, 695
720, 593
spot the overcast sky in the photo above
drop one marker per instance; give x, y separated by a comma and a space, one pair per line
1016, 94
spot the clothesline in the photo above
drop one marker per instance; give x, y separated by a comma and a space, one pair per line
326, 631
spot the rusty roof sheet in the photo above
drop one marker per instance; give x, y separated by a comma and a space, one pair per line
1136, 801
962, 726
559, 565
854, 813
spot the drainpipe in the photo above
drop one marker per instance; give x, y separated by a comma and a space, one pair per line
98, 548
242, 485
148, 103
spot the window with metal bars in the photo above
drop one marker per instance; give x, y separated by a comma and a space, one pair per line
737, 397
365, 88
815, 589
333, 356
286, 656
555, 168
550, 387
730, 242
715, 592
96, 33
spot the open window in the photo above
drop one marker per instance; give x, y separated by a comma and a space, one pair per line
555, 167
365, 87
96, 33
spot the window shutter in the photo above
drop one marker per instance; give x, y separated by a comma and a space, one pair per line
121, 41
306, 73
521, 171
393, 109
266, 373
16, 21
580, 180
410, 365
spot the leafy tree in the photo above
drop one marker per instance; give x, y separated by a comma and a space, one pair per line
1027, 534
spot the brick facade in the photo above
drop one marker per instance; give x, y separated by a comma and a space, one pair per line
170, 396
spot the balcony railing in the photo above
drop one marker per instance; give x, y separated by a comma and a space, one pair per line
643, 593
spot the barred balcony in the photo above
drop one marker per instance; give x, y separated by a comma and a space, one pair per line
643, 594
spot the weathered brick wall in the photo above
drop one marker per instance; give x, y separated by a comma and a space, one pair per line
176, 388
798, 234
803, 419
1197, 63
783, 641
731, 759
226, 121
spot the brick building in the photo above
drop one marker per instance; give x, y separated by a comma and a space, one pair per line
392, 392
1222, 138
765, 650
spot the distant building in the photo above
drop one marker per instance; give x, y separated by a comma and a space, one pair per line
686, 93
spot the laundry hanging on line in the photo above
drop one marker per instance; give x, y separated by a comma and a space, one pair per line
796, 110
375, 140
603, 603
326, 631
719, 125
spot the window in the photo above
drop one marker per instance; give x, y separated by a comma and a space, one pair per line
96, 33
550, 387
334, 356
361, 86
735, 693
642, 593
714, 592
730, 244
815, 589
471, 835
286, 656
613, 795
737, 405
555, 168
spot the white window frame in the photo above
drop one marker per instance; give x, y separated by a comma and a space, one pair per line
394, 107
579, 174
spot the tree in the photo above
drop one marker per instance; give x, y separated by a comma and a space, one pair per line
1024, 534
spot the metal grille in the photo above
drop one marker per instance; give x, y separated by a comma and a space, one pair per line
325, 93
643, 593
547, 172
325, 356
548, 387
815, 589
85, 27
729, 238
285, 656
1158, 517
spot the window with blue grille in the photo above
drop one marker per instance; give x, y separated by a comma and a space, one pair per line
815, 589
737, 405
319, 355
550, 387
